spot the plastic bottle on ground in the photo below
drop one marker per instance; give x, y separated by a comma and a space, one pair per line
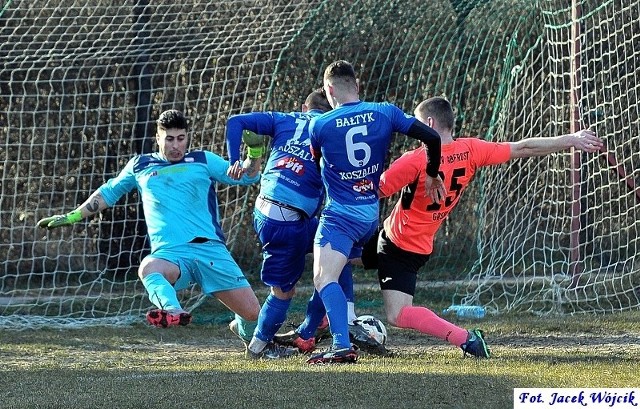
466, 311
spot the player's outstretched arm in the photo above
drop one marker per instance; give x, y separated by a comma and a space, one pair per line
584, 140
94, 204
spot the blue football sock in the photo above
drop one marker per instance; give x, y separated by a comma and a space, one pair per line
346, 282
161, 292
336, 305
272, 315
313, 318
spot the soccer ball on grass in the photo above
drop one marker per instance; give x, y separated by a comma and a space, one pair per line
374, 327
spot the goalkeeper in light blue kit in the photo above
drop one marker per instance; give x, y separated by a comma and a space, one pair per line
351, 144
178, 193
291, 194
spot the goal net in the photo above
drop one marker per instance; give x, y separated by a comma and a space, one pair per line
81, 83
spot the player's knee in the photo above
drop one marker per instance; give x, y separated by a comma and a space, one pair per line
152, 265
144, 270
320, 281
283, 295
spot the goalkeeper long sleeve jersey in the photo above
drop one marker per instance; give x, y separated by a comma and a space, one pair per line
179, 198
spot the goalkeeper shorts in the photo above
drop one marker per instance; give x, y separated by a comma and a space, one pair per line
208, 264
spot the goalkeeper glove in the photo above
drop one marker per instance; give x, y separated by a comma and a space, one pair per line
58, 220
256, 146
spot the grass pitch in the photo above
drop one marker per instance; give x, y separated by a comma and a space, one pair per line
203, 365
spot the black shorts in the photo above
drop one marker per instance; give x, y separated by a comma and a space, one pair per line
369, 255
397, 268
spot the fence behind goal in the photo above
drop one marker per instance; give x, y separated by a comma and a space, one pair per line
81, 83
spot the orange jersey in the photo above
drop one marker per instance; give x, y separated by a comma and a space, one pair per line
415, 219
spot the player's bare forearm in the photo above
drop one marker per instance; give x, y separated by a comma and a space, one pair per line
584, 140
252, 166
93, 205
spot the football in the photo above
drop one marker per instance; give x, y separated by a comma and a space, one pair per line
374, 327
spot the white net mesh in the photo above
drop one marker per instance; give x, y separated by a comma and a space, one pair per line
567, 243
82, 82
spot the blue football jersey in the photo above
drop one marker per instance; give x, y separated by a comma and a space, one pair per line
290, 174
179, 199
353, 141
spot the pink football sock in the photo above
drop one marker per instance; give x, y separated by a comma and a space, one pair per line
426, 321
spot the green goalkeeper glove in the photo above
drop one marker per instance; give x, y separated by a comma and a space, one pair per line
58, 220
256, 146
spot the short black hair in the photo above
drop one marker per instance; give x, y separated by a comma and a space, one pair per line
439, 108
318, 100
342, 70
172, 119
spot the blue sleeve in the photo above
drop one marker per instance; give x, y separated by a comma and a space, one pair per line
410, 126
218, 170
113, 189
400, 120
258, 122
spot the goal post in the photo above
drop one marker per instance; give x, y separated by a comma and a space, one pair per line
82, 82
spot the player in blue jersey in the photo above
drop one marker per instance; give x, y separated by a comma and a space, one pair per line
285, 215
178, 193
351, 143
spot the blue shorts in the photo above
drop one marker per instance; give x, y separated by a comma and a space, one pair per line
284, 246
207, 264
346, 235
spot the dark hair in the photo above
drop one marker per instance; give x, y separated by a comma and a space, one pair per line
318, 100
439, 108
172, 119
342, 70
